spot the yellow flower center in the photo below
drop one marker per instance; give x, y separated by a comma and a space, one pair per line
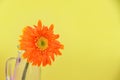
42, 43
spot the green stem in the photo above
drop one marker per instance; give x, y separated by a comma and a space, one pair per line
25, 70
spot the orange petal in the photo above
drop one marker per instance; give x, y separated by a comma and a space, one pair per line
57, 52
25, 55
39, 25
39, 62
48, 61
61, 46
56, 36
44, 30
28, 31
51, 27
52, 56
44, 60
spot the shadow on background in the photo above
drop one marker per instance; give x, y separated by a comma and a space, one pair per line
118, 4
118, 75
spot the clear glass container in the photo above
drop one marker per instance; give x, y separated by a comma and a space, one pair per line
15, 67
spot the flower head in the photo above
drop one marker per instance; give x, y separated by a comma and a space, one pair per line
40, 44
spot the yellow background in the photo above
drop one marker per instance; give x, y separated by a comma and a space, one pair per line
89, 29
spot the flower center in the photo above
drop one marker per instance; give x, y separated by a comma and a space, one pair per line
42, 43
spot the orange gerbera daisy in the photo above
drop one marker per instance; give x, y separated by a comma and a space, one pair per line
40, 44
